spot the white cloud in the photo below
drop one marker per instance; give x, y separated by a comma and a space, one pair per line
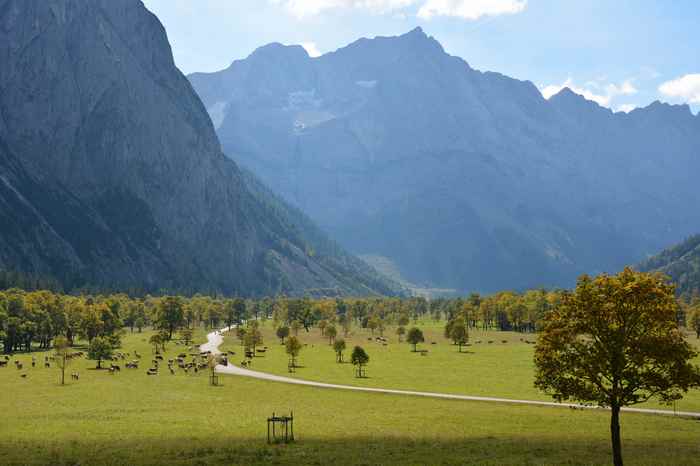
686, 87
552, 89
470, 9
600, 94
626, 88
307, 8
311, 49
626, 108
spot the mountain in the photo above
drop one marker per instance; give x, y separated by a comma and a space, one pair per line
681, 263
457, 178
111, 173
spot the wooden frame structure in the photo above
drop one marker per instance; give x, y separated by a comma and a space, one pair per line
286, 425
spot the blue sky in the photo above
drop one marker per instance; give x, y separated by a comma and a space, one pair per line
620, 53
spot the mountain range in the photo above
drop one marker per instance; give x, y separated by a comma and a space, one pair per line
455, 177
112, 176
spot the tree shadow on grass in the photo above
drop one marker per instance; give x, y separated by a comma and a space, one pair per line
228, 448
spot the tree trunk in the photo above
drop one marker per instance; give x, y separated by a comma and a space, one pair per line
615, 435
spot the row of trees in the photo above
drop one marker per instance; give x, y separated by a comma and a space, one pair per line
36, 318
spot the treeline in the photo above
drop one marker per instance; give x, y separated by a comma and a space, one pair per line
30, 319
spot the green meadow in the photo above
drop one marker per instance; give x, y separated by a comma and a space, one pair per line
131, 418
502, 368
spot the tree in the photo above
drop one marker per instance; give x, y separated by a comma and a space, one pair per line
296, 326
459, 333
359, 359
373, 323
140, 323
293, 348
322, 324
694, 320
171, 314
614, 341
61, 353
401, 331
186, 336
331, 333
415, 336
339, 347
253, 338
99, 350
156, 341
282, 333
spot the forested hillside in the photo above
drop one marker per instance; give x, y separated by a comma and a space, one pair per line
681, 263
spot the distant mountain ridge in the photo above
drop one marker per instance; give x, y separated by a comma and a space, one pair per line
681, 263
111, 173
463, 179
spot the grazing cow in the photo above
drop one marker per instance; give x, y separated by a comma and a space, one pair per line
152, 371
75, 376
7, 358
159, 357
19, 366
115, 368
24, 376
47, 365
3, 363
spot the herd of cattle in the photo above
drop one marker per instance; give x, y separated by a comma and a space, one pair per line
190, 362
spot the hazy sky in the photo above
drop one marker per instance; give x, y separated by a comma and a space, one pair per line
620, 53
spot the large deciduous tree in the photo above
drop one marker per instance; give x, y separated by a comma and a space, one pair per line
614, 341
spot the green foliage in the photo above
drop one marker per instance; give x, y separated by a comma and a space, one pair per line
359, 358
99, 350
293, 348
681, 263
414, 337
331, 333
339, 347
282, 333
614, 341
171, 314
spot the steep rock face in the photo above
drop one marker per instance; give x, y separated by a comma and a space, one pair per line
464, 179
91, 101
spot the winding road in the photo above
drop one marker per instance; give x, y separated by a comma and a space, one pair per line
215, 339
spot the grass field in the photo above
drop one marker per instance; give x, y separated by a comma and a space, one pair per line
131, 418
503, 368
